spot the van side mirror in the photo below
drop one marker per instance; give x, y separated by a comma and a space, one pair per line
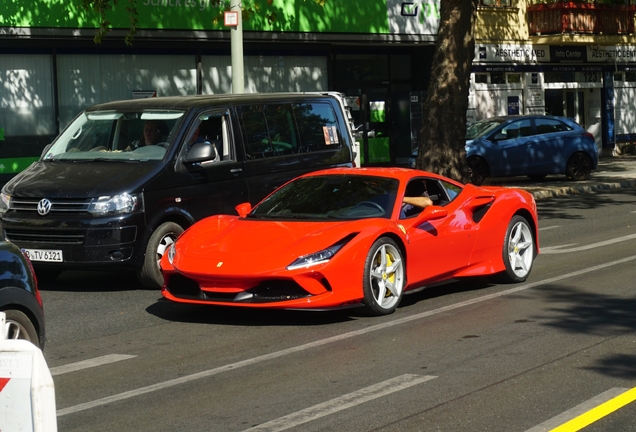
200, 152
243, 209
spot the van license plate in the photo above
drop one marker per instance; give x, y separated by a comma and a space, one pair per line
44, 255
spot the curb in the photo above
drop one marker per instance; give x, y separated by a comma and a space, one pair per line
550, 192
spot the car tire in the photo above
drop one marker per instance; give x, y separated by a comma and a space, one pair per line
518, 251
384, 278
150, 274
579, 167
478, 168
19, 326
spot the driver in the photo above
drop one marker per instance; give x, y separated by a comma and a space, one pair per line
154, 132
415, 199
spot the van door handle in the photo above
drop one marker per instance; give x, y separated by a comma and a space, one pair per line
236, 170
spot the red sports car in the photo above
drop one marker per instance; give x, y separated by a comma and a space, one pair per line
345, 237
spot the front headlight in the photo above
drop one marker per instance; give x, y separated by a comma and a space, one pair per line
5, 203
118, 204
320, 257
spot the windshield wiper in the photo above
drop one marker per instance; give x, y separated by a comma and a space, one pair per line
105, 160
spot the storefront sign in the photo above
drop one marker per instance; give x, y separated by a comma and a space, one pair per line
568, 54
512, 53
513, 105
613, 54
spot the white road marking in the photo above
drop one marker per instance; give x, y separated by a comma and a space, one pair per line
343, 402
559, 249
98, 361
578, 410
330, 340
549, 228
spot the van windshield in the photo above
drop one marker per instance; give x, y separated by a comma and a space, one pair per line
112, 135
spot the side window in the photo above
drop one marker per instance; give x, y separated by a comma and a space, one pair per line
212, 128
255, 132
517, 129
550, 125
317, 127
451, 190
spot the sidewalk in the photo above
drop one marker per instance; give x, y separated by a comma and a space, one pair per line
613, 172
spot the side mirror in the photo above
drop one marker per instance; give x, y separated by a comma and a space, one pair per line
200, 152
243, 209
430, 213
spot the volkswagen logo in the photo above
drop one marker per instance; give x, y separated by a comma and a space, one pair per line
44, 207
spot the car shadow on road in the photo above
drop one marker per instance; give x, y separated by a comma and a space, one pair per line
445, 289
579, 312
91, 281
226, 315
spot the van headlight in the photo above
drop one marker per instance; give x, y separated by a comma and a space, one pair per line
118, 204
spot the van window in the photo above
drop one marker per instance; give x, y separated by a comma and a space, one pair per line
283, 129
114, 135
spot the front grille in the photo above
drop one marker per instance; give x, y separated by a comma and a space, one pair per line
276, 290
67, 237
58, 205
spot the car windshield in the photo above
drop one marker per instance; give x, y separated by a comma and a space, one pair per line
116, 136
343, 197
482, 127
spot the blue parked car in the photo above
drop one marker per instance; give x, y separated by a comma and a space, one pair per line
532, 146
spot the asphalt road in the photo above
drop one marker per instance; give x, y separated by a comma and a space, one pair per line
467, 356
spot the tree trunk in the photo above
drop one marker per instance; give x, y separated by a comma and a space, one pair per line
444, 127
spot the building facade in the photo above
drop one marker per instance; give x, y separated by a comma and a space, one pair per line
377, 52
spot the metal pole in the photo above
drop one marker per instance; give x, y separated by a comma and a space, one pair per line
236, 39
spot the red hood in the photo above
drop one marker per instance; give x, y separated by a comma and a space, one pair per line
229, 245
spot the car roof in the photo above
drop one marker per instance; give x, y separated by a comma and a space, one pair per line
401, 174
200, 101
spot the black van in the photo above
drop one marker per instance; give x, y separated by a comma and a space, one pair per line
125, 178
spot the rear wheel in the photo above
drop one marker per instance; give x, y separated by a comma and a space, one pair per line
150, 274
478, 170
518, 251
19, 326
384, 277
579, 167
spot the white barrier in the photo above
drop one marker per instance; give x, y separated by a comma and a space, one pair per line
27, 394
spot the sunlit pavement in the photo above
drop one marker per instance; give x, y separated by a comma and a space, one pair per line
612, 173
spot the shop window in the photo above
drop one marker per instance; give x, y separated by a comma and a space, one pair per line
497, 78
514, 78
481, 78
618, 76
559, 77
495, 3
630, 76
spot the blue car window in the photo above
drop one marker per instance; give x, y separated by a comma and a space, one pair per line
545, 126
516, 129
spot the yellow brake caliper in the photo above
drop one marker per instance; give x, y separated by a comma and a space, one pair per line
390, 277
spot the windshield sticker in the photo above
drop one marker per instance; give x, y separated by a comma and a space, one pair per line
331, 135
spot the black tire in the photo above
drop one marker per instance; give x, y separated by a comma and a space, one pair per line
150, 274
20, 327
537, 177
518, 251
479, 171
384, 278
579, 167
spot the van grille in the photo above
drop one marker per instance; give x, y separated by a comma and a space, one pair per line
67, 237
57, 205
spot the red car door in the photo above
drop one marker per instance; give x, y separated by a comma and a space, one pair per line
441, 239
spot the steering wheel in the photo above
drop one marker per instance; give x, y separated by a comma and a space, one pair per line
371, 204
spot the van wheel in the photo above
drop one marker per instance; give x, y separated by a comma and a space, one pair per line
19, 326
150, 274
